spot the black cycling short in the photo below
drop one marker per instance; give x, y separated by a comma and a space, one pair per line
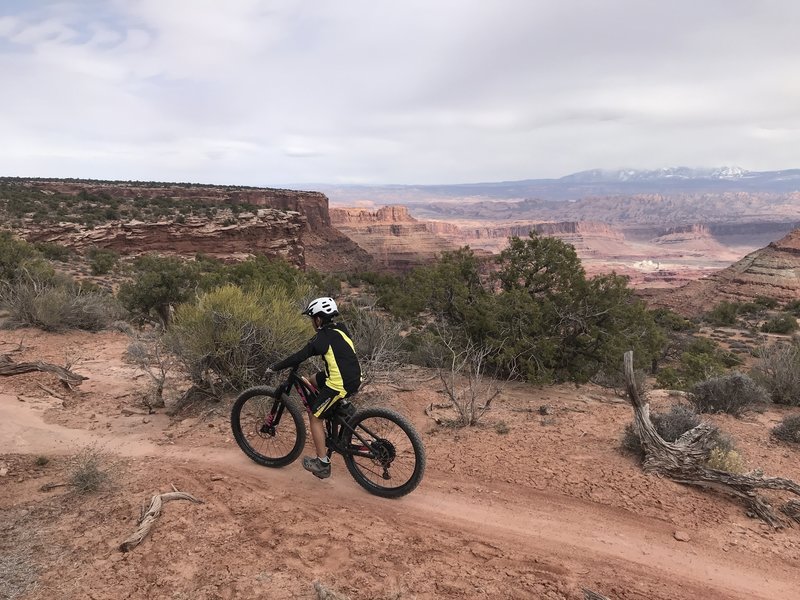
326, 397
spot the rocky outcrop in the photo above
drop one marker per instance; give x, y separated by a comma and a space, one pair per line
274, 233
312, 205
773, 272
291, 224
393, 238
360, 216
691, 240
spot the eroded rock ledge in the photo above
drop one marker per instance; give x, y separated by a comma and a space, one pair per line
274, 233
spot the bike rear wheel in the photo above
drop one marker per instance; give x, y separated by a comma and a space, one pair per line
385, 453
269, 430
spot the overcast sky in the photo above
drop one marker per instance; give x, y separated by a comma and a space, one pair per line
263, 92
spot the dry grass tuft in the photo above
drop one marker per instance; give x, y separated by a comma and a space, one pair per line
91, 470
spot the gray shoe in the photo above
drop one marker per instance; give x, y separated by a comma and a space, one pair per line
317, 467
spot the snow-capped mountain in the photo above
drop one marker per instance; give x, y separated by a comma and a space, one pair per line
666, 173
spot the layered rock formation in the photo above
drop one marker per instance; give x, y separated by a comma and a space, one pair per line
290, 224
694, 239
590, 239
393, 238
773, 272
274, 233
312, 205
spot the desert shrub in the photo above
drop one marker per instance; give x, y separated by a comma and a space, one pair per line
734, 394
766, 302
783, 324
158, 284
545, 319
58, 304
793, 308
101, 260
149, 352
467, 387
671, 321
670, 426
701, 359
725, 460
53, 251
778, 371
230, 336
751, 308
723, 313
90, 470
19, 259
788, 430
615, 380
501, 427
673, 424
378, 343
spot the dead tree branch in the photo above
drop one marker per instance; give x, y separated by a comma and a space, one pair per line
684, 460
590, 595
8, 367
149, 517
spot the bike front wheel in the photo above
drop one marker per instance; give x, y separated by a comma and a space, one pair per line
269, 430
385, 454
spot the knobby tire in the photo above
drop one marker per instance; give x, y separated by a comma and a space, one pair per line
408, 467
248, 415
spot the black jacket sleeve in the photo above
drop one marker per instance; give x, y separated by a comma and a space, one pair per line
298, 357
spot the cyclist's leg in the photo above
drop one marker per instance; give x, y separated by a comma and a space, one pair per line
325, 398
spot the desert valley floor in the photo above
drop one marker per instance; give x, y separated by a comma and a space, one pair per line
542, 511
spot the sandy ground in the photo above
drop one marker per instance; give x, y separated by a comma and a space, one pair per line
542, 511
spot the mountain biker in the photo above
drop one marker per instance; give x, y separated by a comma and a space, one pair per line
341, 377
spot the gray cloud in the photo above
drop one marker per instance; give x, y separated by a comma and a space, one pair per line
271, 92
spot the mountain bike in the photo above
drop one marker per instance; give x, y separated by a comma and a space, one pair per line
381, 449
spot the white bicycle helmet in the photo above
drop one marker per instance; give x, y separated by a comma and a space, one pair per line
322, 307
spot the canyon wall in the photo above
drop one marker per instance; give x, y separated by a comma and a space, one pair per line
274, 233
395, 240
773, 272
294, 225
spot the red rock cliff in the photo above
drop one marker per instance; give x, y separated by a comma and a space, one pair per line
271, 232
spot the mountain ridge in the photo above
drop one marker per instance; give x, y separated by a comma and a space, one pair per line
583, 184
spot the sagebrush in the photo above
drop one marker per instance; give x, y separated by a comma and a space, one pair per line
229, 336
673, 424
788, 430
778, 371
58, 304
734, 394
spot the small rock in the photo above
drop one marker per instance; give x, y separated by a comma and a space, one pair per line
217, 478
127, 412
3, 471
93, 416
145, 420
545, 409
681, 536
20, 398
211, 425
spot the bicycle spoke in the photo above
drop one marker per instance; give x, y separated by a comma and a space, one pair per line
388, 436
267, 429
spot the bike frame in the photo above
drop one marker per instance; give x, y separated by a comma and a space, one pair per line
335, 426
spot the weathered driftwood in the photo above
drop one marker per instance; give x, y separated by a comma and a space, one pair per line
684, 460
8, 367
590, 595
323, 593
150, 515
